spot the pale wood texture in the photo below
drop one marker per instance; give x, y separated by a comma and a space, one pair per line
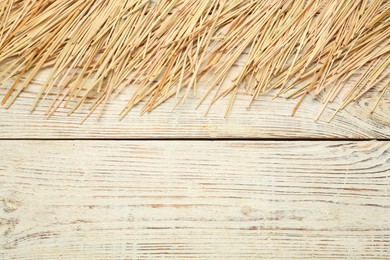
266, 118
194, 200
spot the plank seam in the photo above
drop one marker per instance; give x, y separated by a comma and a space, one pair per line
203, 139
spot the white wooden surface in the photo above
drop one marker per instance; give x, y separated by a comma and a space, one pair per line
194, 200
266, 118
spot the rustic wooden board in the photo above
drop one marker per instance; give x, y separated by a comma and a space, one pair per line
194, 200
266, 118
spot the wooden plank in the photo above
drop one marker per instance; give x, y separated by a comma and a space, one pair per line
266, 118
194, 200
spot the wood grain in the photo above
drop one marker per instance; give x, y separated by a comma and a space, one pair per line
194, 200
267, 118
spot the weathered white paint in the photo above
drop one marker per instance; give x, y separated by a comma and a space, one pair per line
194, 200
266, 118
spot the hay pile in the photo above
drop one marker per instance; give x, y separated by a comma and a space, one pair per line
96, 48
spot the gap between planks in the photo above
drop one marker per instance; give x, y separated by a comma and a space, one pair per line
203, 139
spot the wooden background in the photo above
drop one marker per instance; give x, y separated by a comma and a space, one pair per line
257, 185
